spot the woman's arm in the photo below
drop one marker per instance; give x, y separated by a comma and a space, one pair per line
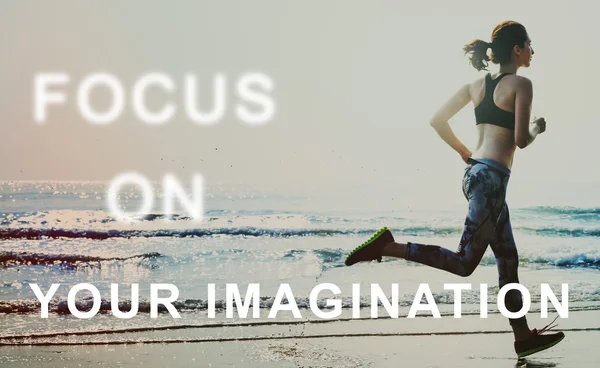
440, 120
526, 132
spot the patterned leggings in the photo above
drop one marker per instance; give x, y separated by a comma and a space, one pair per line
487, 222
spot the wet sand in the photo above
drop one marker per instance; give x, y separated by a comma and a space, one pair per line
420, 342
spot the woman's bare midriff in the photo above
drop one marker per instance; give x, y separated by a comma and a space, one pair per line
495, 143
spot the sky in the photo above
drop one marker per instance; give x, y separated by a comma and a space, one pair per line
355, 85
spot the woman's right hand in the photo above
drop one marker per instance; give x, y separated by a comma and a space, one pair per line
465, 154
539, 125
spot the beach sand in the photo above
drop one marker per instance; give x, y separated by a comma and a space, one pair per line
421, 342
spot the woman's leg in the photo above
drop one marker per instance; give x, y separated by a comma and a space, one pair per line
507, 260
485, 189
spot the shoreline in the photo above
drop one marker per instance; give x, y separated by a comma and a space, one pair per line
464, 351
467, 342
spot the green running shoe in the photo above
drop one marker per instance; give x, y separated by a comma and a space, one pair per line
371, 249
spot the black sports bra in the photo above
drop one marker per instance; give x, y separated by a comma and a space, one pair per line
488, 112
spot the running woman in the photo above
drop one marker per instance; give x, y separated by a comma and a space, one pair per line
502, 112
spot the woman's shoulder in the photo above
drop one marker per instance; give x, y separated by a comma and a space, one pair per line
512, 77
518, 80
477, 85
512, 80
510, 84
519, 83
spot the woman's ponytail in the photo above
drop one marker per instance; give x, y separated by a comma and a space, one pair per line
478, 50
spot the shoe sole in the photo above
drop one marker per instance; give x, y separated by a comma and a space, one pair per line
533, 351
371, 240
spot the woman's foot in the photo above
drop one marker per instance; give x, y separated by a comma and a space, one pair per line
372, 249
538, 342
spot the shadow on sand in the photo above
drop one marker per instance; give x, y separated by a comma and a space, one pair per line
523, 362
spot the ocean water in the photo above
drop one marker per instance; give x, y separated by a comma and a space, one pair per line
62, 233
